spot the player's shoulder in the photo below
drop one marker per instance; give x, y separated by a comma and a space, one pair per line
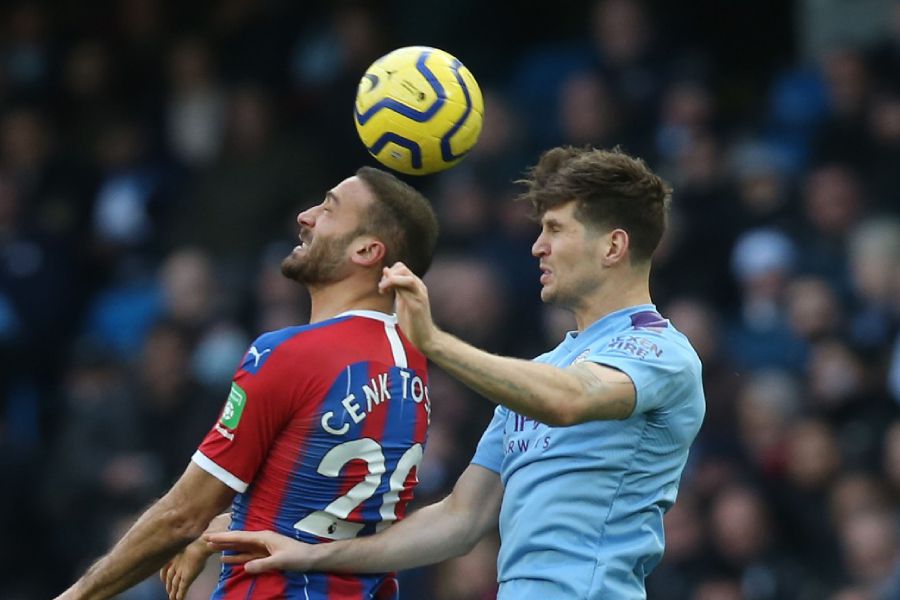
297, 339
271, 340
647, 334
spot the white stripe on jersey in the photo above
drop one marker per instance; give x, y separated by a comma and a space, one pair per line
205, 463
396, 345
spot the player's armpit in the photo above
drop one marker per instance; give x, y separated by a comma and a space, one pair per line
607, 393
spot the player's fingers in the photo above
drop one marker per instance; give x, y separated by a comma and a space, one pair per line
236, 547
236, 540
173, 593
170, 576
181, 588
254, 537
401, 268
261, 565
241, 558
398, 282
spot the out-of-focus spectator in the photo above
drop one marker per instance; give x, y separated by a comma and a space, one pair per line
855, 493
891, 458
195, 119
587, 112
174, 411
842, 136
684, 564
871, 549
874, 259
813, 310
467, 299
764, 194
744, 541
882, 179
25, 54
833, 204
768, 405
762, 262
96, 467
699, 322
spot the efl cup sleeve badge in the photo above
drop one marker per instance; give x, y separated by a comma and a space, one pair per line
231, 414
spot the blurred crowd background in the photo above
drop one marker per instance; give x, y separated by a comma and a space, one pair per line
154, 154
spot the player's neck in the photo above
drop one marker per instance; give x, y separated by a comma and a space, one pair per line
350, 294
610, 297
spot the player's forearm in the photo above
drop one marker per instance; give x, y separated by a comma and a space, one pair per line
543, 392
430, 535
157, 535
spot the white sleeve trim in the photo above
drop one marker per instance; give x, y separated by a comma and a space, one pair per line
205, 463
396, 345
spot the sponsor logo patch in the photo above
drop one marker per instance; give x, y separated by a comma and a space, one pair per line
234, 407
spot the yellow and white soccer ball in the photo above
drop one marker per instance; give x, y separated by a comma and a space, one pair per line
418, 110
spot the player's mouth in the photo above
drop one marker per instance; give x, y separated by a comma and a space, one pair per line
545, 275
305, 241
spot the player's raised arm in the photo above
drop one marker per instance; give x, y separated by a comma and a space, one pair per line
437, 532
547, 393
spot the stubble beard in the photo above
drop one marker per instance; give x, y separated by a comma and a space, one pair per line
320, 264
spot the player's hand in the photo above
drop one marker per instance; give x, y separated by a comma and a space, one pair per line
413, 307
261, 551
182, 570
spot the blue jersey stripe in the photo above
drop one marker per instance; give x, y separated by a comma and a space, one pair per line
323, 489
399, 431
238, 518
265, 345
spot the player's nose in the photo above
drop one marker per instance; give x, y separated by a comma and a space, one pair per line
306, 218
540, 247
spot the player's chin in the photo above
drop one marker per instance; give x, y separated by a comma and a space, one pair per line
292, 267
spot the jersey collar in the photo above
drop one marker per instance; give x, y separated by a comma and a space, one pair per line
369, 314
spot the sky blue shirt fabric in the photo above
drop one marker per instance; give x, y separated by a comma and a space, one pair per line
582, 509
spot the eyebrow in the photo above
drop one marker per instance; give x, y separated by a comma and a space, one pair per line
333, 196
551, 222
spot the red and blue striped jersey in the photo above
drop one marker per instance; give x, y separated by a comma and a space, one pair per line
321, 435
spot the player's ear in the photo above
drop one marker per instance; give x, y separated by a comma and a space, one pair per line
615, 247
368, 251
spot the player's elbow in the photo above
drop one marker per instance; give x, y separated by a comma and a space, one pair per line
564, 414
185, 521
185, 525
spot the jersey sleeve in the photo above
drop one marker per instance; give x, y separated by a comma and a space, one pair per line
658, 366
259, 405
489, 453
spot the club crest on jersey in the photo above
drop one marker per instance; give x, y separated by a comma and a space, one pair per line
231, 414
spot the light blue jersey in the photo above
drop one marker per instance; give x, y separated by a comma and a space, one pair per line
582, 510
